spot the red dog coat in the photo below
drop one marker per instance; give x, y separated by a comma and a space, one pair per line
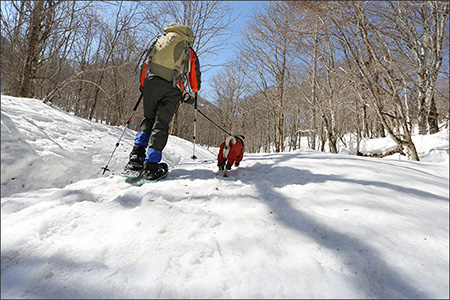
231, 152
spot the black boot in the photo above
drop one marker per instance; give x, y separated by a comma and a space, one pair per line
154, 171
137, 157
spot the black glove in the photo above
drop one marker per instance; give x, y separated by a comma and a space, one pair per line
221, 166
187, 98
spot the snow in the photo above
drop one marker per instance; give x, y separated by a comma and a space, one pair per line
299, 224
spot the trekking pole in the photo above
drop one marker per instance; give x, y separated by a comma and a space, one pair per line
123, 132
195, 125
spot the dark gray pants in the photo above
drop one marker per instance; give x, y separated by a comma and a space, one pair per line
160, 103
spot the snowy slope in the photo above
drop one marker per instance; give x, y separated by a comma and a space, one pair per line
301, 224
45, 147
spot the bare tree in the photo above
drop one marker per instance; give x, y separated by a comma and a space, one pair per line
307, 26
40, 24
123, 22
375, 62
36, 19
320, 55
230, 88
330, 86
267, 53
41, 43
419, 29
14, 21
100, 78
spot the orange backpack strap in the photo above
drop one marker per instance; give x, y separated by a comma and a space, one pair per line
194, 73
143, 75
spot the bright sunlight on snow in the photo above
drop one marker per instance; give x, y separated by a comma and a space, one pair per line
299, 224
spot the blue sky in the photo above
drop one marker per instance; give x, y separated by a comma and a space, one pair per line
245, 10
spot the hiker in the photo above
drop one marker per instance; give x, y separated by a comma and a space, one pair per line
170, 66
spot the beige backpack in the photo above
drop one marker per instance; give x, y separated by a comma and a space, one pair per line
169, 56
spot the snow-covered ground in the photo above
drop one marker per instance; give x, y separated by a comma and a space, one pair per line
301, 224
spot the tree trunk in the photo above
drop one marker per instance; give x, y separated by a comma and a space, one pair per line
25, 88
433, 118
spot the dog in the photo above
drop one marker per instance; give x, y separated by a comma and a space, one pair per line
231, 152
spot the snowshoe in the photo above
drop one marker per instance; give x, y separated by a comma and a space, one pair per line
135, 165
153, 172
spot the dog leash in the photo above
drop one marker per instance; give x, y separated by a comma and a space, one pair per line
213, 122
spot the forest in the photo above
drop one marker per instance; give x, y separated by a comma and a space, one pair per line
315, 69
